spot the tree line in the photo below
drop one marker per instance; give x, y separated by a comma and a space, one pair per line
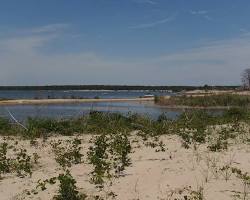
116, 87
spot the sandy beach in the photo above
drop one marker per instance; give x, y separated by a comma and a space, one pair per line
65, 101
165, 175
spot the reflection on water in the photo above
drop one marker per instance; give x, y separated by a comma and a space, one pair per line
21, 112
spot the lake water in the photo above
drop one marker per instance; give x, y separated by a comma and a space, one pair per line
59, 94
21, 112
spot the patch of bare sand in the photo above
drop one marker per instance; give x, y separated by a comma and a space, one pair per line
152, 175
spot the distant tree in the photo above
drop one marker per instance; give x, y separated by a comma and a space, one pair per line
245, 78
206, 87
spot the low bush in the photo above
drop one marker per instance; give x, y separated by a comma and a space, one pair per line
206, 100
109, 156
21, 163
67, 153
67, 188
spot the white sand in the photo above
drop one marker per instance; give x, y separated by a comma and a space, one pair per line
153, 175
64, 101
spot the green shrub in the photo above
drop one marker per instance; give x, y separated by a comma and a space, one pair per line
68, 190
21, 162
109, 156
98, 157
69, 153
4, 125
207, 100
4, 161
39, 127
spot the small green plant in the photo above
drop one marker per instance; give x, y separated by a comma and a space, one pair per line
98, 157
198, 194
109, 156
68, 190
218, 145
156, 144
226, 172
69, 154
42, 184
67, 187
4, 125
4, 161
36, 157
119, 149
21, 163
187, 193
245, 179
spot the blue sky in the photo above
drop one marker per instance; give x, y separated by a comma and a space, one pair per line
146, 42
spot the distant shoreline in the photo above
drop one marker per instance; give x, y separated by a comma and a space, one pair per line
65, 101
116, 87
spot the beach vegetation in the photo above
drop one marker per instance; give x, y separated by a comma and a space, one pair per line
67, 153
203, 101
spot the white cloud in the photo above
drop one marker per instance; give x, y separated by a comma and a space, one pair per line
50, 28
153, 24
24, 44
198, 12
146, 1
202, 13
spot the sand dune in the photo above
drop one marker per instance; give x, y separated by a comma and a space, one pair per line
153, 175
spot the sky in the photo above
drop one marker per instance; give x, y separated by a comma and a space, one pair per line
125, 42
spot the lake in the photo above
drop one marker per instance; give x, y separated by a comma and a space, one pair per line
21, 112
60, 94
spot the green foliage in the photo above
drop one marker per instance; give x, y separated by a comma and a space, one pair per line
39, 127
108, 154
4, 125
235, 114
43, 184
21, 163
100, 122
4, 161
98, 157
207, 100
245, 179
191, 126
218, 145
187, 193
119, 149
67, 153
68, 190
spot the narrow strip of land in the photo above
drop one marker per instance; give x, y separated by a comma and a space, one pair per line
64, 101
178, 107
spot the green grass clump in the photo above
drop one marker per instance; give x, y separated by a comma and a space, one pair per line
4, 125
100, 122
207, 100
39, 126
